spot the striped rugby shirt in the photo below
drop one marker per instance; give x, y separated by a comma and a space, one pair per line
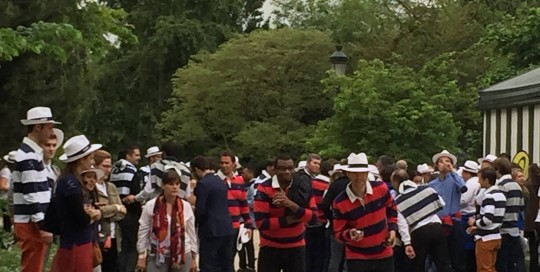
153, 184
319, 185
492, 213
124, 176
514, 204
144, 173
237, 200
271, 219
375, 215
31, 189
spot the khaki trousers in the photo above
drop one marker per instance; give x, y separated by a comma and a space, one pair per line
486, 254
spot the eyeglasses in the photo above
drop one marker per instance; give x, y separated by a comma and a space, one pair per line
285, 168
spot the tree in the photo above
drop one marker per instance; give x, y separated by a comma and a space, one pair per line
258, 94
131, 98
51, 55
382, 109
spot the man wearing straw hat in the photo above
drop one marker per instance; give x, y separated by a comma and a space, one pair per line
31, 190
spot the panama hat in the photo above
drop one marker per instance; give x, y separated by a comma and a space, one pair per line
471, 167
59, 136
39, 115
357, 163
337, 168
152, 151
99, 173
488, 158
237, 161
424, 169
301, 165
10, 157
243, 237
77, 147
444, 153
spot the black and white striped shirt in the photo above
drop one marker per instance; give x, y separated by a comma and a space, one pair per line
492, 213
124, 175
31, 189
514, 204
154, 183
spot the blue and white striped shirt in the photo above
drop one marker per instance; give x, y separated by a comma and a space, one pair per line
31, 189
123, 175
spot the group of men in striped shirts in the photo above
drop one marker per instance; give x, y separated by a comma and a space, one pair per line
322, 217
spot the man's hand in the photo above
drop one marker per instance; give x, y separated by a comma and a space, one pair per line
356, 235
121, 208
129, 199
193, 265
291, 220
471, 221
46, 237
141, 263
280, 199
409, 251
391, 239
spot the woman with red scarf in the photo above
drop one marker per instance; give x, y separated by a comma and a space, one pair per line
167, 240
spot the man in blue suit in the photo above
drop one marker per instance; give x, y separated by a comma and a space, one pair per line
216, 234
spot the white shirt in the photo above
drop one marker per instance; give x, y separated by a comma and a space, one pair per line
145, 228
5, 173
468, 199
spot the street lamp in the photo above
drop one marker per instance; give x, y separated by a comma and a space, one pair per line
339, 61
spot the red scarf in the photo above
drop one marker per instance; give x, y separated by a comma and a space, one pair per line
177, 231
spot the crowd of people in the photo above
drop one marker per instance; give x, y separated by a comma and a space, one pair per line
315, 216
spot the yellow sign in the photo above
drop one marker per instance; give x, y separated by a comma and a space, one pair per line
522, 159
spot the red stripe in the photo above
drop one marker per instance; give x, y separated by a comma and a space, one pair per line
238, 207
270, 220
374, 222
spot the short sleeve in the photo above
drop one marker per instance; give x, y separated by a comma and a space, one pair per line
5, 173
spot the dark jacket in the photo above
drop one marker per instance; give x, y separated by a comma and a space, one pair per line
211, 208
334, 189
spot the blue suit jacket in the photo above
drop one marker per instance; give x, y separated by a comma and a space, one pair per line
211, 208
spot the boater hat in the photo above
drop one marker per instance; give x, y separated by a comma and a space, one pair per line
59, 136
444, 153
471, 167
152, 151
99, 173
242, 238
424, 169
39, 115
488, 158
10, 157
77, 147
357, 163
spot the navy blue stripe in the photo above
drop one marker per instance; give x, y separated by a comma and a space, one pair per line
30, 164
30, 209
262, 197
419, 205
513, 209
26, 148
513, 194
509, 224
367, 250
375, 228
235, 203
370, 207
31, 187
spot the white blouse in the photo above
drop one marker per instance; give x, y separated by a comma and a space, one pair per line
145, 228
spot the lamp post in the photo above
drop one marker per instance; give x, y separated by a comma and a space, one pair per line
339, 61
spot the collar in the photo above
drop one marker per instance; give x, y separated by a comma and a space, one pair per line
504, 177
266, 174
323, 178
491, 188
275, 183
353, 197
33, 145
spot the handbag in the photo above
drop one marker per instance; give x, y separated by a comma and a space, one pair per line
97, 257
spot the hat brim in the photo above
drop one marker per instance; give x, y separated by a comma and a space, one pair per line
37, 122
474, 171
242, 237
6, 158
437, 156
99, 173
93, 148
153, 154
356, 169
59, 136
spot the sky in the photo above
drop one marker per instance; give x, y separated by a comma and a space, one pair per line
267, 9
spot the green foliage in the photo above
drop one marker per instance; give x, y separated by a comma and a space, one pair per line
133, 94
384, 109
258, 94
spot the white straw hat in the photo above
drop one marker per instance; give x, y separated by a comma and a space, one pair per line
39, 115
78, 147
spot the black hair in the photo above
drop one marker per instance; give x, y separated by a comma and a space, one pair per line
200, 162
386, 172
385, 160
213, 164
170, 149
282, 158
327, 166
129, 150
490, 174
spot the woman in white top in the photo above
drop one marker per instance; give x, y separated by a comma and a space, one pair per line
5, 185
167, 240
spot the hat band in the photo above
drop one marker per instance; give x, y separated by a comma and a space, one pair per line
42, 119
358, 165
80, 152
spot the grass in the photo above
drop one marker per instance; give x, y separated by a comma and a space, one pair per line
10, 259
